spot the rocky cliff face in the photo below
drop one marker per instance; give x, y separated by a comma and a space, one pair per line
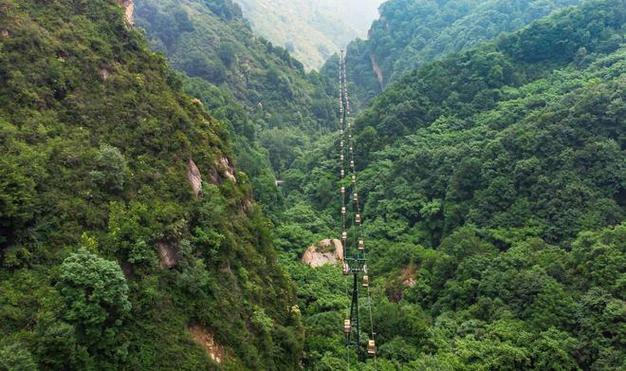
323, 253
129, 7
377, 71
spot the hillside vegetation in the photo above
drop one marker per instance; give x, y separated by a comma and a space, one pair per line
267, 101
108, 260
494, 184
141, 226
410, 33
277, 104
211, 40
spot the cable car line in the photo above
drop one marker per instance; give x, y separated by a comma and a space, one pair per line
355, 262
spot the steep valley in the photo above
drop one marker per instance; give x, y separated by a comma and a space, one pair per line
174, 187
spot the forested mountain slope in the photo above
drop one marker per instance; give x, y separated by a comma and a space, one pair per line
211, 40
127, 238
312, 30
272, 106
494, 184
410, 33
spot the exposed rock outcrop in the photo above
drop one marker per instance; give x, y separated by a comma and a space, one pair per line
395, 289
194, 177
323, 253
105, 73
207, 341
247, 205
168, 254
228, 169
408, 276
377, 71
129, 8
224, 170
410, 282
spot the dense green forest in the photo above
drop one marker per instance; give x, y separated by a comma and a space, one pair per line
211, 40
411, 33
494, 183
108, 258
141, 226
257, 89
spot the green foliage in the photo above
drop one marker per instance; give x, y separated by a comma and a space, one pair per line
501, 154
257, 90
112, 169
97, 138
96, 298
410, 34
600, 258
16, 357
223, 51
493, 183
492, 180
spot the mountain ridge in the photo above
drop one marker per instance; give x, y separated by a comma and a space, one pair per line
410, 33
109, 257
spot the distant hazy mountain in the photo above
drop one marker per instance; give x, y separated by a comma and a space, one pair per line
311, 29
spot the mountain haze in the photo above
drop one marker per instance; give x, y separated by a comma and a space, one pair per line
312, 30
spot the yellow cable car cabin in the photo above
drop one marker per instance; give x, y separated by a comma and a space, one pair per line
361, 245
344, 237
347, 326
356, 197
357, 219
366, 281
371, 348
